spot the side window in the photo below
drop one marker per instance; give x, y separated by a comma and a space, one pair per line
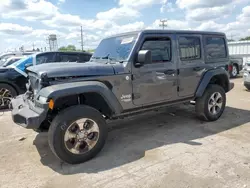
84, 58
215, 48
11, 62
44, 58
160, 49
190, 48
64, 57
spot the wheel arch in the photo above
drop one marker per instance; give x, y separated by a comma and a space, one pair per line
12, 85
93, 93
217, 76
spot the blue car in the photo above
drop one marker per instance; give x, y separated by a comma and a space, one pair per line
13, 78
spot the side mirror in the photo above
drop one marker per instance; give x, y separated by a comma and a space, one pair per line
26, 66
143, 57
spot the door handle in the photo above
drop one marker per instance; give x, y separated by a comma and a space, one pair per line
197, 68
169, 72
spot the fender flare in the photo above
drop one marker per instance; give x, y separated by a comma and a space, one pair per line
207, 77
62, 90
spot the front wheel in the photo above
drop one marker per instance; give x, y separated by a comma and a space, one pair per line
211, 105
7, 92
77, 134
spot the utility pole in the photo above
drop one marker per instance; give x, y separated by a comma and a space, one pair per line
33, 46
81, 39
163, 23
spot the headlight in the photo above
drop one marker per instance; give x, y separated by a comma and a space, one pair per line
42, 99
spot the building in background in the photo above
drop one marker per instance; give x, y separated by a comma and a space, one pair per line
240, 49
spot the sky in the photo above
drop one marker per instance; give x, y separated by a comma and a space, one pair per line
29, 22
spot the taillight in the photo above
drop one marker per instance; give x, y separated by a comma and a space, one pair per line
230, 67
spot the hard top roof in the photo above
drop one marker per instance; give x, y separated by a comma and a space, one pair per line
160, 31
68, 52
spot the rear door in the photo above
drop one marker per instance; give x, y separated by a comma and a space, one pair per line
191, 63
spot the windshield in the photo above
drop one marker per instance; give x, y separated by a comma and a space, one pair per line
117, 48
22, 62
2, 61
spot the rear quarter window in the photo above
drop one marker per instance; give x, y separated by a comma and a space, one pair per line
215, 48
84, 58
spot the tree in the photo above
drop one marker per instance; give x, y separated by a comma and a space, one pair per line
67, 48
246, 38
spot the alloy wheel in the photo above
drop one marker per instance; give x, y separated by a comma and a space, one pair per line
215, 103
81, 136
5, 97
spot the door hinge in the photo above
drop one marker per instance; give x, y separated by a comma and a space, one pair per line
178, 71
178, 88
132, 77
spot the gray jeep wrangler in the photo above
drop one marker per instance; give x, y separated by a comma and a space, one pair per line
128, 73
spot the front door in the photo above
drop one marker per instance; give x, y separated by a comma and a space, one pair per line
191, 63
156, 82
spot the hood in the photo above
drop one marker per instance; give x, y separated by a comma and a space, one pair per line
72, 69
4, 69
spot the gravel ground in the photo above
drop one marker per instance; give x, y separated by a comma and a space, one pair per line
168, 148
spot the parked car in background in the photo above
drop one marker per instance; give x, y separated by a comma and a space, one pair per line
10, 61
246, 75
235, 66
7, 55
13, 78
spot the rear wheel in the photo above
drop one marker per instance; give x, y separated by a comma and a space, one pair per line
234, 71
7, 92
248, 88
77, 134
211, 105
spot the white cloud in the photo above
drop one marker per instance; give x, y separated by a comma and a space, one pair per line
201, 14
44, 33
14, 29
125, 28
118, 13
167, 7
64, 20
211, 26
193, 4
61, 1
73, 22
29, 10
139, 3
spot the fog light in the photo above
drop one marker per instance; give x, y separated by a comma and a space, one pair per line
51, 104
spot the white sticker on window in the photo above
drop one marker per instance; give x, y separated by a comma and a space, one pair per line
127, 40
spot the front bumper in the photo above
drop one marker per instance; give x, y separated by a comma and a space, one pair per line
27, 115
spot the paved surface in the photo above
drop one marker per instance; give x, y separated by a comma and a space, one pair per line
168, 148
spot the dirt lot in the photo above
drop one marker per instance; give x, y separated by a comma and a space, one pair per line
168, 148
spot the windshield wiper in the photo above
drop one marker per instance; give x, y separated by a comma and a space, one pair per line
108, 58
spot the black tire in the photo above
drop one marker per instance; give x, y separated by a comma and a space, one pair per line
234, 74
12, 92
59, 126
202, 103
